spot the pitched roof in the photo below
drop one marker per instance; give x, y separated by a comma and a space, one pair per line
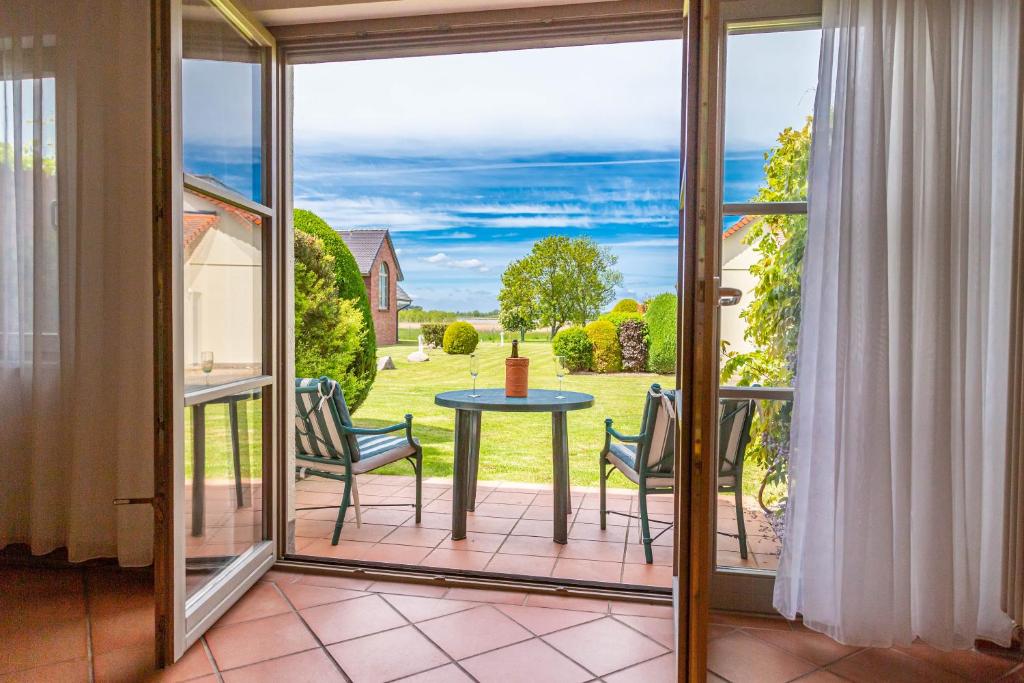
196, 225
402, 295
365, 245
739, 225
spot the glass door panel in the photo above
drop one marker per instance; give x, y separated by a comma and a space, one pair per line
770, 81
224, 312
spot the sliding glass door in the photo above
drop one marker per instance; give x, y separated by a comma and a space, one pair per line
222, 355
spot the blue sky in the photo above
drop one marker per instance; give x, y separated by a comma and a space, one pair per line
469, 159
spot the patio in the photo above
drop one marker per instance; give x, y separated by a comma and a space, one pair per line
510, 531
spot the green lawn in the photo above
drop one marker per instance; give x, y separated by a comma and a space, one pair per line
514, 447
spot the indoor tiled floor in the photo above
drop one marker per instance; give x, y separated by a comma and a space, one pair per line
510, 531
97, 624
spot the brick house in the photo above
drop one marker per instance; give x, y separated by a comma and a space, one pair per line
378, 264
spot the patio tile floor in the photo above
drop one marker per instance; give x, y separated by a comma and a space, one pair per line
348, 629
510, 531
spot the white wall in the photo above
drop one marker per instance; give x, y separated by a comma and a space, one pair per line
737, 258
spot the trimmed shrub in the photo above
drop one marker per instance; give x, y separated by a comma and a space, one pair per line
661, 328
460, 338
607, 354
574, 346
329, 330
349, 283
627, 306
618, 318
433, 334
633, 342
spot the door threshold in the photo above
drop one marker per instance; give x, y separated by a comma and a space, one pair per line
454, 578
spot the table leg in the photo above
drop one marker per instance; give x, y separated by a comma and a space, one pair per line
560, 465
474, 459
236, 456
460, 485
198, 469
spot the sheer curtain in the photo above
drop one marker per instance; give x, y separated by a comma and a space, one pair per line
899, 430
76, 369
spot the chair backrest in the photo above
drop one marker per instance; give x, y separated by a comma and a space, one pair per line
735, 418
320, 417
656, 452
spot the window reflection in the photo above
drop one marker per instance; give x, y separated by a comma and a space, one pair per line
223, 292
221, 102
223, 484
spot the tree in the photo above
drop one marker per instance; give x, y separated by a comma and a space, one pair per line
349, 284
773, 315
518, 300
328, 329
564, 280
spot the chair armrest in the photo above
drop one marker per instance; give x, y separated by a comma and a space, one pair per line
624, 438
366, 431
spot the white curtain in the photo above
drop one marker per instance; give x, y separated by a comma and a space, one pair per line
76, 361
897, 463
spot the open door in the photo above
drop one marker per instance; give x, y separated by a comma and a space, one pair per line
216, 261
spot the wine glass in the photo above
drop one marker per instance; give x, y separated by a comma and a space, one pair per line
474, 370
206, 362
560, 373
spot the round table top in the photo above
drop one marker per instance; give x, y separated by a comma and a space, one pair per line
536, 401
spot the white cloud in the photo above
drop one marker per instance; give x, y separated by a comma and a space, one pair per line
443, 259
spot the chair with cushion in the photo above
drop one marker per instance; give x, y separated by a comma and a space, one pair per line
328, 445
735, 418
646, 459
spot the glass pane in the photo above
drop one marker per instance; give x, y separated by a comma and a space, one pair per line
223, 292
223, 484
771, 79
761, 257
221, 102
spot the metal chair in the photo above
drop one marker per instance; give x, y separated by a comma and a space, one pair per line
646, 459
328, 445
735, 418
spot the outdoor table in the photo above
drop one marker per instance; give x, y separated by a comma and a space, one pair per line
242, 494
467, 444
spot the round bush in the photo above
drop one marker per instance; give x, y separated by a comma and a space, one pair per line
627, 306
460, 338
661, 329
618, 318
433, 333
574, 346
607, 354
633, 342
349, 282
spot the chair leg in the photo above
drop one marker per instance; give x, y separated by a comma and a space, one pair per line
342, 509
741, 527
355, 502
418, 465
646, 527
604, 486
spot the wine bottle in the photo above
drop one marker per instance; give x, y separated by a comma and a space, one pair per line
515, 348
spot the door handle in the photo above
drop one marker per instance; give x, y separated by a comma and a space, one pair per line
729, 296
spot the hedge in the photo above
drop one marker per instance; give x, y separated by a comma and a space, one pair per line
460, 338
574, 346
627, 306
349, 282
633, 341
328, 329
433, 333
607, 354
661, 328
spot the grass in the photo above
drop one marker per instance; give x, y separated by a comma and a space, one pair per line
412, 334
514, 446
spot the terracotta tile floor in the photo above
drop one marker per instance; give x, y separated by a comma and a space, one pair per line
97, 624
510, 531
